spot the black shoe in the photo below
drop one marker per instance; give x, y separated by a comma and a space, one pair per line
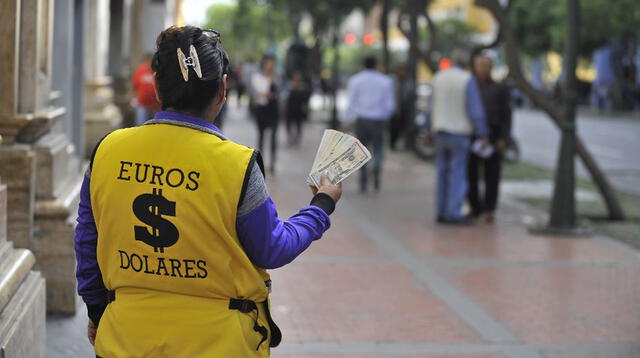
473, 214
440, 220
459, 222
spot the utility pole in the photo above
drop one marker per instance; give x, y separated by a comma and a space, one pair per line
563, 205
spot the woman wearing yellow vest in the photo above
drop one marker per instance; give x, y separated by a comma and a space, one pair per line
176, 228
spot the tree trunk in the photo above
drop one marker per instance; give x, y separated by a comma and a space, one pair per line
422, 55
335, 74
433, 39
294, 25
412, 65
316, 51
614, 208
384, 28
563, 203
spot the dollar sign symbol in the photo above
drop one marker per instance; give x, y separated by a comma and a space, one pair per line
149, 209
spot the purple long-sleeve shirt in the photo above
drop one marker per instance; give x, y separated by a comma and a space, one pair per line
268, 241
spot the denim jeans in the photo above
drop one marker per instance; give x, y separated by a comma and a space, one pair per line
452, 151
371, 134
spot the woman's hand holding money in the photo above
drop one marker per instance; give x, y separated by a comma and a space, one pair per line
334, 191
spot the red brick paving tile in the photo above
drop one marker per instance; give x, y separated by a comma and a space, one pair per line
344, 241
559, 305
360, 303
504, 242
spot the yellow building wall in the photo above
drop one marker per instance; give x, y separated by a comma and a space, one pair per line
584, 70
478, 18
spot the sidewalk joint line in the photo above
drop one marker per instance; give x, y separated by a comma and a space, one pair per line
465, 307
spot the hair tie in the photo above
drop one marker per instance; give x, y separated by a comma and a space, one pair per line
191, 61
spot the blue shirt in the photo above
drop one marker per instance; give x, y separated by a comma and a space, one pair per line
371, 96
268, 241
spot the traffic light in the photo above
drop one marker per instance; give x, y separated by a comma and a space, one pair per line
350, 39
445, 63
368, 39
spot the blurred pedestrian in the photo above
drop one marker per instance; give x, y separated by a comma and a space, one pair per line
496, 102
456, 113
146, 102
325, 87
222, 115
238, 84
265, 98
248, 69
371, 103
297, 107
172, 255
401, 119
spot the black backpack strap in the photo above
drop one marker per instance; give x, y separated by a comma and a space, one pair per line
276, 334
247, 306
111, 296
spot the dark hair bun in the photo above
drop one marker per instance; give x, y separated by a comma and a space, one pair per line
195, 94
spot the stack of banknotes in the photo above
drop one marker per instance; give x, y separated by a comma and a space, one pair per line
338, 156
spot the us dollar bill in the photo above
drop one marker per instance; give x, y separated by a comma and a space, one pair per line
342, 165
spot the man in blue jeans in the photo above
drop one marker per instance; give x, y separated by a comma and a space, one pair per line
456, 113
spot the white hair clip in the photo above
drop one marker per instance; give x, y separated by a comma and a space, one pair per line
191, 61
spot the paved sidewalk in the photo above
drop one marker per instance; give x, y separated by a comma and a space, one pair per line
385, 281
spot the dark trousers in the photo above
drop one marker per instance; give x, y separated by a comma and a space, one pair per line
267, 119
397, 127
492, 168
371, 133
294, 129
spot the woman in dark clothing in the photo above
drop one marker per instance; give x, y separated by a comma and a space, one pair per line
297, 108
266, 100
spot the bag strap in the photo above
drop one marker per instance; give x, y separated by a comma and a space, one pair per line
248, 306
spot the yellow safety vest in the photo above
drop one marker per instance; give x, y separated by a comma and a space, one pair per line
164, 198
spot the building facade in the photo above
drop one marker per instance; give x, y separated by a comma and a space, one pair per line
61, 63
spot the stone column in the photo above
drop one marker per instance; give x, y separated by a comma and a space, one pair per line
148, 19
101, 114
119, 68
22, 295
37, 160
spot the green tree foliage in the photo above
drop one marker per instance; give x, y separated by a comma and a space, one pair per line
452, 34
323, 13
533, 23
539, 25
248, 29
602, 20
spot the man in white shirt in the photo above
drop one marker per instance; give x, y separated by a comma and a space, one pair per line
456, 114
371, 103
